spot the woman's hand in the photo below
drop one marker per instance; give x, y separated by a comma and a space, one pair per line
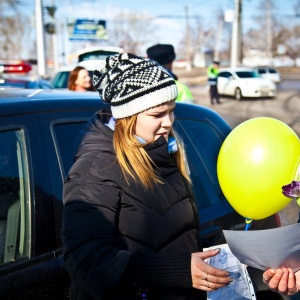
206, 277
283, 280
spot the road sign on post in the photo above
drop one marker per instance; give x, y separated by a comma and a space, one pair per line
87, 30
51, 10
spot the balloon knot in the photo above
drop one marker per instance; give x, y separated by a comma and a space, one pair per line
248, 221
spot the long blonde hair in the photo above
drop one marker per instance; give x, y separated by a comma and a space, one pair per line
133, 159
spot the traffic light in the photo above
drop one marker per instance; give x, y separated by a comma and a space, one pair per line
50, 28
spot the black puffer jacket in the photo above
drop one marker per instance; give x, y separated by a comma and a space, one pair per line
121, 241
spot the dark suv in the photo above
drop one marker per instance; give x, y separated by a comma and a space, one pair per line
38, 129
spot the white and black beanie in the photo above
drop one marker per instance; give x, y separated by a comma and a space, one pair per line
132, 84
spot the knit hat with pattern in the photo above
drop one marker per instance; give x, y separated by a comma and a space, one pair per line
132, 84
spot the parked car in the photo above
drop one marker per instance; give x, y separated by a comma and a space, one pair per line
38, 129
244, 82
18, 75
60, 78
269, 73
88, 58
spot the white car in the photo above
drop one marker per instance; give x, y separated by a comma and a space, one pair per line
244, 82
269, 73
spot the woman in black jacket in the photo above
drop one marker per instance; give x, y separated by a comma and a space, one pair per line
130, 225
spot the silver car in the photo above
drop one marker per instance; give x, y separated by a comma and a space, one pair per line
269, 73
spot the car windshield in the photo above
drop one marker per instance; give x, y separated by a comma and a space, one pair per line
247, 74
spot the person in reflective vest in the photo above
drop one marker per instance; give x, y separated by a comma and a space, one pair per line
212, 75
164, 54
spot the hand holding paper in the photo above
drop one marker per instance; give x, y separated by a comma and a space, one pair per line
264, 249
283, 281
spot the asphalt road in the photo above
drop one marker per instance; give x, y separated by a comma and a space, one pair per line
285, 107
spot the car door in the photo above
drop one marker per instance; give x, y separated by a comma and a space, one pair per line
60, 130
30, 265
226, 83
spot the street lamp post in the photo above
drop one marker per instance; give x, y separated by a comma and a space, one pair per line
188, 40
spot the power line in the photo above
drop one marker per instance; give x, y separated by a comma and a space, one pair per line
178, 17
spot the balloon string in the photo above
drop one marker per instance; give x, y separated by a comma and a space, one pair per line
248, 223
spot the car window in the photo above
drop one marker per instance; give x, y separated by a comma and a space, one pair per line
14, 197
261, 70
272, 71
66, 136
202, 159
225, 74
247, 74
60, 80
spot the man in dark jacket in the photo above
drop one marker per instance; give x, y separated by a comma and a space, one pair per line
165, 55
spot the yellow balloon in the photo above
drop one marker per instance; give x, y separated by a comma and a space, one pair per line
257, 158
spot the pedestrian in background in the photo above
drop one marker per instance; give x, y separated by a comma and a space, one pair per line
130, 224
80, 80
165, 55
212, 74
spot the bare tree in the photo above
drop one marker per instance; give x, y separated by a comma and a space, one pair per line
200, 38
131, 31
8, 4
197, 36
12, 30
213, 38
292, 42
268, 34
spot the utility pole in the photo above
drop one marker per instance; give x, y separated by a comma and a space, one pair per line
55, 48
218, 38
40, 38
269, 31
188, 40
236, 39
